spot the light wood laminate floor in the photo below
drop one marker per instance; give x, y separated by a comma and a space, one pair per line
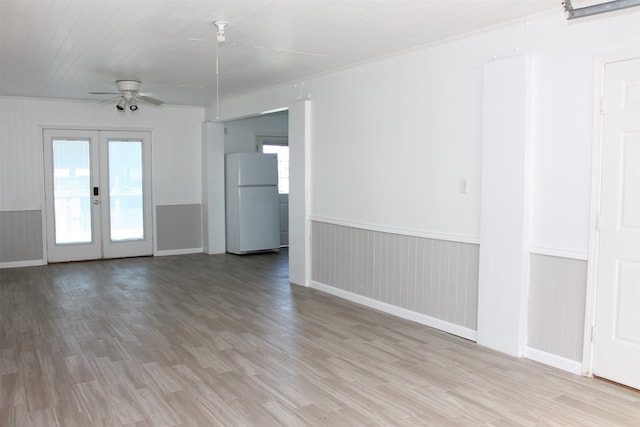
197, 340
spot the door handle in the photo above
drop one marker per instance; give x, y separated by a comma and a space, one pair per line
96, 201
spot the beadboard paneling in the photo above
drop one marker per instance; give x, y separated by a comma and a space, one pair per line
20, 156
20, 236
176, 145
557, 292
436, 278
179, 227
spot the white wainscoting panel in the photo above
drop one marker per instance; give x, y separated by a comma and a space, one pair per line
20, 237
434, 278
178, 229
557, 292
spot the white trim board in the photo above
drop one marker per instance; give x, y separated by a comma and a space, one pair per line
403, 313
90, 127
20, 210
560, 253
179, 252
180, 203
553, 360
460, 238
17, 264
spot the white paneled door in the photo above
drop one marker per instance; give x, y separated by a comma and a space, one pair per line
97, 194
617, 318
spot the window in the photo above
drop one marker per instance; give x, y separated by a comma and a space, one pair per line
283, 164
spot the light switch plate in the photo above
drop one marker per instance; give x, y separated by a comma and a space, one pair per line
463, 186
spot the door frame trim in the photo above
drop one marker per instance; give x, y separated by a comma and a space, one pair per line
600, 63
42, 160
114, 249
77, 250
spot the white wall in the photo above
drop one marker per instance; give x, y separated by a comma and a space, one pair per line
240, 135
175, 146
398, 140
397, 134
213, 201
563, 126
299, 193
391, 139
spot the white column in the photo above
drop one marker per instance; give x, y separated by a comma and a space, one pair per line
213, 217
299, 192
504, 212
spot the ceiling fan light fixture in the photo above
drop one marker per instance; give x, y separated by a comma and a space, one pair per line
133, 105
128, 85
121, 105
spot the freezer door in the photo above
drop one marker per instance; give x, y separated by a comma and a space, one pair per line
259, 218
257, 169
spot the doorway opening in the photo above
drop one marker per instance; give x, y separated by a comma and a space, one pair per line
612, 323
280, 147
298, 130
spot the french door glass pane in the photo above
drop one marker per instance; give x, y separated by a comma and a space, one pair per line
125, 190
72, 191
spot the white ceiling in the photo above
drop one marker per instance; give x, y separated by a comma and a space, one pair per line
64, 49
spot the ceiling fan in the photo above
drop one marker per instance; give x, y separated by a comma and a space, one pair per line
128, 95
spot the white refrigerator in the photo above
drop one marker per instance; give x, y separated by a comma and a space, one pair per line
252, 203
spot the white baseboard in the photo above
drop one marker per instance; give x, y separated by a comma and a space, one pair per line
423, 319
17, 264
554, 360
178, 252
217, 251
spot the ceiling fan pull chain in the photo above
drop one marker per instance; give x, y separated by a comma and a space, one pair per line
217, 81
220, 38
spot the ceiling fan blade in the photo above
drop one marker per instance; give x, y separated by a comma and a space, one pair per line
110, 100
150, 100
103, 93
290, 51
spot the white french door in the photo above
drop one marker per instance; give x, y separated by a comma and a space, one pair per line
97, 194
616, 341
